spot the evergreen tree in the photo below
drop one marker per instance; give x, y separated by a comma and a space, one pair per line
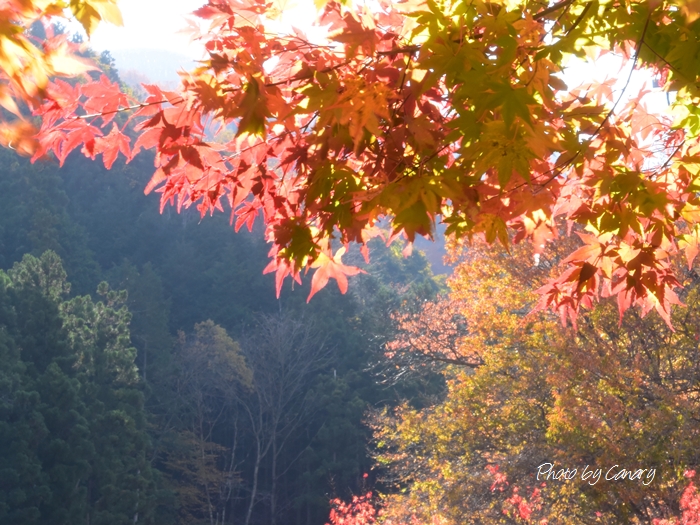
34, 217
72, 437
179, 271
120, 486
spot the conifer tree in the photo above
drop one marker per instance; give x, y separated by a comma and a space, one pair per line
73, 440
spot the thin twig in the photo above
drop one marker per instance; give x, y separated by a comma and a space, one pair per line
308, 75
561, 167
668, 63
129, 108
579, 19
670, 157
400, 50
629, 79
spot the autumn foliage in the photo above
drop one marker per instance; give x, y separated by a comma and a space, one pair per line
419, 112
424, 111
28, 64
689, 504
359, 511
522, 390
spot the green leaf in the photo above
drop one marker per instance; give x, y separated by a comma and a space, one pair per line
254, 109
512, 103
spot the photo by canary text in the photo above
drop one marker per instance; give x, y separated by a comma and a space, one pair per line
592, 475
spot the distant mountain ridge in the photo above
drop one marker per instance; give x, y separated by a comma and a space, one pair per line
151, 65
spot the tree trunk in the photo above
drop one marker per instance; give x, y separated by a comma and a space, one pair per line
273, 490
254, 491
138, 491
230, 470
204, 463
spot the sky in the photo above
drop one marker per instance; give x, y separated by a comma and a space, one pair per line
149, 24
155, 24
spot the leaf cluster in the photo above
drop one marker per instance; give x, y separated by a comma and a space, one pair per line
421, 112
523, 391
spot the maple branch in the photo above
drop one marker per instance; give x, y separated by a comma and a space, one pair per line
578, 19
129, 108
552, 9
294, 79
629, 79
291, 38
305, 127
308, 75
400, 50
417, 169
250, 148
670, 157
476, 363
668, 63
558, 169
401, 86
365, 65
534, 74
415, 48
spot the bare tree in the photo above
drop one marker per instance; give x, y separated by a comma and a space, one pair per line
284, 355
211, 378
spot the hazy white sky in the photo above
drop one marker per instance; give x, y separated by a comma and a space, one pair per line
151, 24
154, 24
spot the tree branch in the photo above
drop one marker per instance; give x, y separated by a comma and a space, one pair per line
557, 170
552, 9
128, 108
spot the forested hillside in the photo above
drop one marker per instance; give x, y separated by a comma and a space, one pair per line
152, 373
182, 391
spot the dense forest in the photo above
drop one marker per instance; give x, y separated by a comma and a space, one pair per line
150, 375
151, 372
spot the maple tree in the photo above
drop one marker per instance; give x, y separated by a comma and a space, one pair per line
27, 63
522, 390
359, 511
419, 111
689, 504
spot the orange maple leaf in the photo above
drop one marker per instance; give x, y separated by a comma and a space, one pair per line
328, 268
